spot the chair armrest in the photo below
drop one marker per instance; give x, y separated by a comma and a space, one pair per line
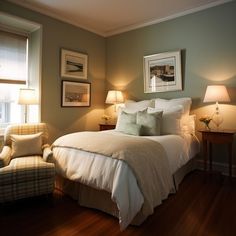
47, 153
5, 156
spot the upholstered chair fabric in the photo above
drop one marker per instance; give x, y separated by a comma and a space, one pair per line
25, 174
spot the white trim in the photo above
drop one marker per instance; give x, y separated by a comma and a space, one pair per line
222, 167
159, 20
122, 29
56, 16
29, 26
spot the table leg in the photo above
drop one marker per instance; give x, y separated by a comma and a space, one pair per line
230, 159
210, 155
204, 145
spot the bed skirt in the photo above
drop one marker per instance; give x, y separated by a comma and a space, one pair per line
101, 200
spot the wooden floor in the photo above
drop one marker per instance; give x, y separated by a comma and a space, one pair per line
203, 205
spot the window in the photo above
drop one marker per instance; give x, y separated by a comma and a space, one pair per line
13, 76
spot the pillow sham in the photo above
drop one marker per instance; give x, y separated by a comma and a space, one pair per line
26, 145
187, 124
170, 122
125, 118
137, 106
164, 104
150, 123
131, 128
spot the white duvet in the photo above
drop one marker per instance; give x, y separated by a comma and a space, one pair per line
115, 176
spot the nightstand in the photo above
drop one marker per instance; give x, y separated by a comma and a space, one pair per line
218, 137
106, 126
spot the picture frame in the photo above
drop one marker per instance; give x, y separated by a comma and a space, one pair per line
162, 72
73, 64
75, 94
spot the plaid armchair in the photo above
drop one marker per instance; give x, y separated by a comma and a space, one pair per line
25, 170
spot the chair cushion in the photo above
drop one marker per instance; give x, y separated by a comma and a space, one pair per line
26, 145
25, 169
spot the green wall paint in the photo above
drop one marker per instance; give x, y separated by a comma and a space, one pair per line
207, 41
57, 35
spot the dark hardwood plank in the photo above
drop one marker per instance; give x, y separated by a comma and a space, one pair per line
203, 205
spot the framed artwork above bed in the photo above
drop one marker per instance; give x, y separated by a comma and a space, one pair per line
73, 64
75, 94
162, 72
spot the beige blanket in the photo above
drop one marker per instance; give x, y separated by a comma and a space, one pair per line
145, 157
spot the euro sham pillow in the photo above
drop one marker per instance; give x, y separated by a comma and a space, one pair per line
131, 106
26, 145
170, 122
150, 123
165, 105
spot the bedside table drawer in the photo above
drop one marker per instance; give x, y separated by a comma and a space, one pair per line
106, 126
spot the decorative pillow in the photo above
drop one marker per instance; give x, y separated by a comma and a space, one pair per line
26, 145
164, 104
125, 118
170, 123
131, 128
150, 122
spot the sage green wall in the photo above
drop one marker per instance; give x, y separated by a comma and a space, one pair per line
208, 43
206, 38
57, 35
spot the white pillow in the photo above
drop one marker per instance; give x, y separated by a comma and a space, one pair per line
137, 106
170, 123
187, 124
26, 145
164, 104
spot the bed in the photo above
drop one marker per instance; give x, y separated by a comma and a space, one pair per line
90, 170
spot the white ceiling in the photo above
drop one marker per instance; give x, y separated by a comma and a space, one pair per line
109, 17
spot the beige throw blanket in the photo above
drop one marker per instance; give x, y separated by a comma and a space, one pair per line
145, 157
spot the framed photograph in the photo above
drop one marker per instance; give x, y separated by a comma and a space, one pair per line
162, 72
75, 94
73, 64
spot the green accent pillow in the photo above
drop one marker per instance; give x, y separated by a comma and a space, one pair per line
150, 123
132, 129
125, 118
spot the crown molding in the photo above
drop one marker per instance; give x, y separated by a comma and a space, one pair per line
122, 29
159, 20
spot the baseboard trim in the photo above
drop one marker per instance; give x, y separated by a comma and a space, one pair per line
222, 167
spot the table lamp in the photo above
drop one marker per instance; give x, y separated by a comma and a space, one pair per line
114, 97
27, 96
216, 93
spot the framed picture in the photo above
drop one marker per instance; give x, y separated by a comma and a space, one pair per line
162, 72
73, 64
75, 94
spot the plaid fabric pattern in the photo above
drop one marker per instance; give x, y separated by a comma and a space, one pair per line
25, 169
26, 176
28, 189
22, 129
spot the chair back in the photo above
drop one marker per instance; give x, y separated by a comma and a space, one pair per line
22, 129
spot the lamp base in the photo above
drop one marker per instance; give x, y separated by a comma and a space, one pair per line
217, 119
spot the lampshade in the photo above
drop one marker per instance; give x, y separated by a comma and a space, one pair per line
114, 97
27, 96
216, 93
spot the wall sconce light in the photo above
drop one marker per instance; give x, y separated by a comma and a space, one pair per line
216, 93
